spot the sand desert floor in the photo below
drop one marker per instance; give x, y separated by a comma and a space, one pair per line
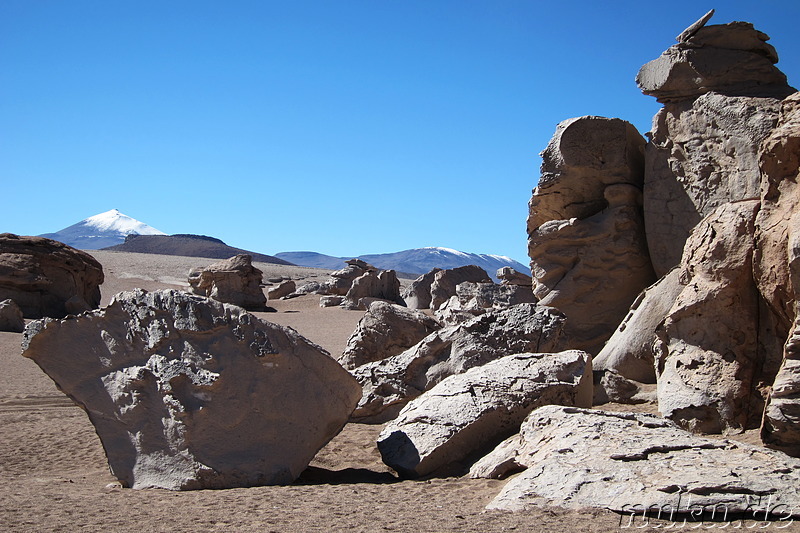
54, 477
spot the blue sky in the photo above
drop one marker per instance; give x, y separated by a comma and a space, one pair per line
343, 127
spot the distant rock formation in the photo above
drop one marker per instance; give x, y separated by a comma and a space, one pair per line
189, 393
586, 234
47, 278
234, 281
11, 318
355, 286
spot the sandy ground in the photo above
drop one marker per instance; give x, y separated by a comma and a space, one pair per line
53, 473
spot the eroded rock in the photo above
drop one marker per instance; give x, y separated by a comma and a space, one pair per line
42, 275
468, 412
189, 393
234, 281
11, 318
445, 282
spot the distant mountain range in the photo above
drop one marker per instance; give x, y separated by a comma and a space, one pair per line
101, 231
113, 230
414, 262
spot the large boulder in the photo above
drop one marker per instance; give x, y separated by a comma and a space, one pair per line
47, 278
418, 294
189, 393
722, 96
445, 282
629, 351
341, 280
284, 288
385, 330
11, 318
633, 463
707, 355
390, 383
234, 281
378, 284
469, 412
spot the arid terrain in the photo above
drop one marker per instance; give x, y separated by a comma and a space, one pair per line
53, 473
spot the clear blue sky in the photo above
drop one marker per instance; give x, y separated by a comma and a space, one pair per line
343, 127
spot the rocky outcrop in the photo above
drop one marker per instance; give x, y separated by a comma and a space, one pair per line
707, 355
189, 393
632, 462
472, 299
586, 236
509, 276
234, 281
468, 412
629, 351
341, 281
47, 278
284, 288
386, 330
373, 284
445, 282
777, 270
418, 294
390, 383
11, 318
722, 96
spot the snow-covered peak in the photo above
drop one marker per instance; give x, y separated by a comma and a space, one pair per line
114, 221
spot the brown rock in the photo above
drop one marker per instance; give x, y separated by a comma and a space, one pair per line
445, 282
235, 281
11, 318
42, 275
418, 294
285, 288
382, 284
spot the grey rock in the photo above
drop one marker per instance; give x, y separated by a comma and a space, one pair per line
285, 288
386, 330
472, 299
445, 282
629, 351
381, 284
11, 318
610, 386
629, 462
468, 412
509, 276
234, 281
418, 294
390, 383
331, 301
189, 393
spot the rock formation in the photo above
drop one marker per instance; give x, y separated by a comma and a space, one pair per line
721, 95
631, 462
386, 330
373, 284
586, 236
509, 276
418, 294
284, 288
11, 318
390, 383
234, 281
472, 299
445, 282
468, 412
47, 278
189, 393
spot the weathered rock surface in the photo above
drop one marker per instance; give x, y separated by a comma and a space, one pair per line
629, 351
468, 412
707, 357
42, 275
341, 281
472, 299
509, 276
628, 462
445, 282
234, 281
284, 288
418, 294
722, 96
11, 318
592, 269
385, 330
732, 59
390, 383
777, 270
609, 386
189, 393
381, 284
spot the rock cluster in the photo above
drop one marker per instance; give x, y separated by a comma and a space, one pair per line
355, 286
234, 281
189, 393
434, 289
47, 278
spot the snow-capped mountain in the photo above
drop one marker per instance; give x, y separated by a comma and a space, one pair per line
103, 230
414, 261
